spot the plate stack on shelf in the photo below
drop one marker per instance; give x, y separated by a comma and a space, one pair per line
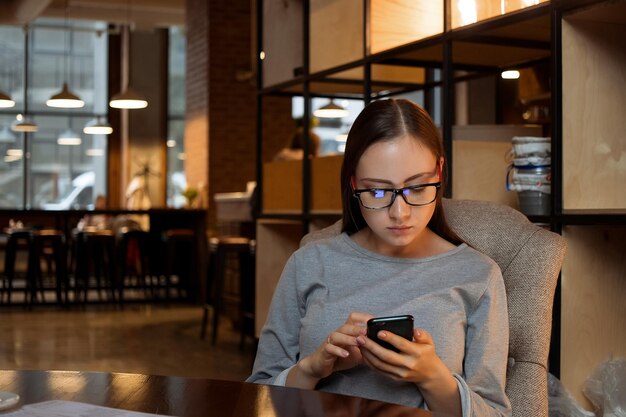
530, 174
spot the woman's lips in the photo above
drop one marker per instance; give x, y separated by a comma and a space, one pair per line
399, 229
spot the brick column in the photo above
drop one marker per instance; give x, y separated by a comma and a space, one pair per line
220, 138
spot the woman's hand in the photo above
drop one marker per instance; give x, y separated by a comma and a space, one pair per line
416, 362
338, 352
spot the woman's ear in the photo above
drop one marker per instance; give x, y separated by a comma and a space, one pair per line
441, 162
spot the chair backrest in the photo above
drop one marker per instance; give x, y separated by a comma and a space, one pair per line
530, 258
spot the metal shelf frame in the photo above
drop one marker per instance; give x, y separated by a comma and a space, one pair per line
445, 43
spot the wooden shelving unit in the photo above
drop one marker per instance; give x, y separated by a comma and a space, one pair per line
386, 49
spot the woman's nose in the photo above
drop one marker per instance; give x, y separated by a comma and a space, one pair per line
399, 209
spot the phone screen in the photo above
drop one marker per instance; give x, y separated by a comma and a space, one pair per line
400, 325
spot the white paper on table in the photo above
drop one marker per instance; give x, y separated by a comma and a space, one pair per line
58, 408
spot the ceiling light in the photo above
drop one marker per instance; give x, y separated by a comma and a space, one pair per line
24, 124
6, 136
65, 99
98, 126
342, 137
331, 111
5, 101
15, 152
69, 137
510, 75
94, 152
171, 143
128, 99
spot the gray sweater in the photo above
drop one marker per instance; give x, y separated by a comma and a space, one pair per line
458, 297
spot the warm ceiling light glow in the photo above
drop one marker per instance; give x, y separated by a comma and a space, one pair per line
15, 152
262, 55
98, 126
6, 101
69, 137
94, 152
342, 137
331, 111
467, 12
65, 99
171, 143
510, 75
24, 124
128, 99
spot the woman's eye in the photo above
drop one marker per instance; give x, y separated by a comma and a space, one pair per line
377, 193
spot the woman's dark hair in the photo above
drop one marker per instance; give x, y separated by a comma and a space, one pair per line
385, 120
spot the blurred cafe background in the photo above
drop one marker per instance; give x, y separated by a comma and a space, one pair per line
161, 159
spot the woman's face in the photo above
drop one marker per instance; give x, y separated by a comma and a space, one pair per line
399, 229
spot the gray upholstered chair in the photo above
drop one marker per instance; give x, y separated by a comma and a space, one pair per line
530, 258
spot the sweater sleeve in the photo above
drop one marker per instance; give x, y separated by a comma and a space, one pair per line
278, 348
482, 388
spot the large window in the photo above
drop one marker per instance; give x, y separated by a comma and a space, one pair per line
176, 181
36, 169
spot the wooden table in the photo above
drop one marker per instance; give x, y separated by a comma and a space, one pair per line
185, 397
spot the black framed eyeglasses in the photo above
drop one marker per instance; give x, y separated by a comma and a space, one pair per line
413, 195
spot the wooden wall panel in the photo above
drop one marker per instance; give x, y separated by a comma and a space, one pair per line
282, 40
336, 33
395, 23
594, 148
276, 241
479, 165
325, 184
593, 308
282, 187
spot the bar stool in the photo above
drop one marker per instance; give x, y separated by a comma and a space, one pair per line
133, 260
17, 239
95, 257
180, 252
221, 249
50, 245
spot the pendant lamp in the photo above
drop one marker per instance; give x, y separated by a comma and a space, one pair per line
66, 99
25, 124
128, 98
69, 137
98, 126
331, 111
6, 101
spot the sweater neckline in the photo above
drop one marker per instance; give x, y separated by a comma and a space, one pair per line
371, 254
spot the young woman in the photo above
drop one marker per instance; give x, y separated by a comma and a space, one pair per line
396, 256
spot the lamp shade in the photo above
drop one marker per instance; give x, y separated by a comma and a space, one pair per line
69, 137
128, 99
65, 99
24, 124
331, 111
98, 126
5, 101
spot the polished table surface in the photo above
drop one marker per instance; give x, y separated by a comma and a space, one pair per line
177, 396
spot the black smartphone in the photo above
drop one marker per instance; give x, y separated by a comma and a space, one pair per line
400, 325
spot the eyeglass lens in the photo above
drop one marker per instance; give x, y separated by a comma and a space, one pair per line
380, 198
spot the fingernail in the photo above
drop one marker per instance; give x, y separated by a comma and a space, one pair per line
345, 354
360, 340
418, 333
382, 334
